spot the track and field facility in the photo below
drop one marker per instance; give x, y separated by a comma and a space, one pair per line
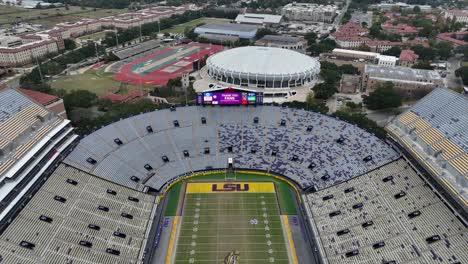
170, 63
231, 222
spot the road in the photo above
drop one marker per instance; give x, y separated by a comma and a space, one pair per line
451, 81
337, 21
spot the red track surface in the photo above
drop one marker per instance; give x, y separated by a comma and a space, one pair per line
159, 77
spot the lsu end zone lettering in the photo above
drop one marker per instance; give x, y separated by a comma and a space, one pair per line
230, 187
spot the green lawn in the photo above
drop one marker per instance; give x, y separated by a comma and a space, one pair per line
50, 17
284, 191
97, 82
181, 27
214, 224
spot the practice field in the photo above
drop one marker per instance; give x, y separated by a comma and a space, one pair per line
170, 63
237, 219
96, 81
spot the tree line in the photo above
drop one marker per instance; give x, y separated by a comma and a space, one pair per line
151, 29
35, 79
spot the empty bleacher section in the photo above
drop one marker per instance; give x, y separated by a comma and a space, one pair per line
435, 132
389, 215
31, 138
310, 148
133, 53
79, 218
136, 49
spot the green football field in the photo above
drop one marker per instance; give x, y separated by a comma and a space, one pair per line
215, 224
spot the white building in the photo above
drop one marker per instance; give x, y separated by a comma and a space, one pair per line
284, 42
387, 61
10, 41
32, 47
310, 12
459, 15
259, 19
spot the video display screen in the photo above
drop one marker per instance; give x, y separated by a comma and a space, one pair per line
229, 98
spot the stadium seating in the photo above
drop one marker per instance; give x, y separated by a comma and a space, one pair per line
380, 207
23, 123
288, 150
75, 218
435, 131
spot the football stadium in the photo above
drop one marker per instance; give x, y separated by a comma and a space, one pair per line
232, 180
164, 64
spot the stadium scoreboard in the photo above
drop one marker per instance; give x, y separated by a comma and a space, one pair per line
229, 97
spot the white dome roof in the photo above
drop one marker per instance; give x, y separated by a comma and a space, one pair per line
268, 61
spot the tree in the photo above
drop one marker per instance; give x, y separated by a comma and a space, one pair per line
324, 90
424, 53
383, 97
190, 33
348, 69
263, 32
79, 98
69, 44
364, 47
425, 65
462, 49
393, 51
353, 106
444, 49
323, 46
364, 24
462, 72
363, 122
375, 30
311, 38
330, 76
416, 9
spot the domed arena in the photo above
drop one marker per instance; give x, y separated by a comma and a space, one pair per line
234, 184
275, 72
263, 67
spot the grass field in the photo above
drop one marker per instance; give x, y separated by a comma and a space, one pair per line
191, 24
284, 192
95, 36
96, 81
50, 17
215, 224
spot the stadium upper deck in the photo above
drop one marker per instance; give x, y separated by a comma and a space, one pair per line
435, 132
30, 138
312, 149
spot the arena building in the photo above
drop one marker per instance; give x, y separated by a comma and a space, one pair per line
276, 72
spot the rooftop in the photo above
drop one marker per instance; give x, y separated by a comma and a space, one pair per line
41, 98
280, 39
400, 73
229, 27
258, 18
408, 55
263, 60
357, 52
